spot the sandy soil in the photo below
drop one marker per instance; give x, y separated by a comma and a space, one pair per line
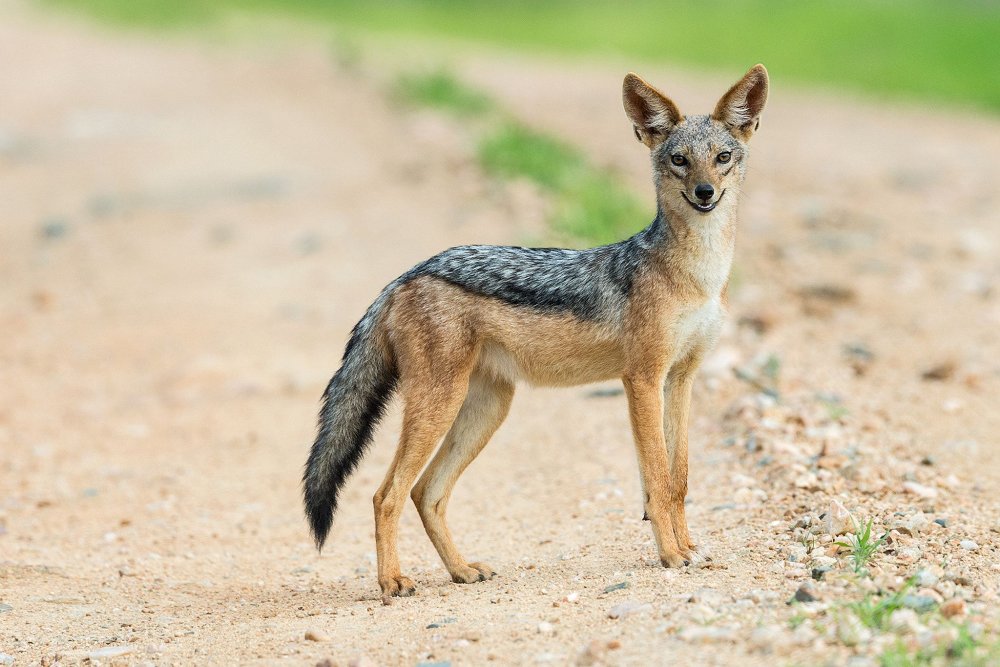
188, 234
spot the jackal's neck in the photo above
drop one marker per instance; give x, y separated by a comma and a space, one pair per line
697, 250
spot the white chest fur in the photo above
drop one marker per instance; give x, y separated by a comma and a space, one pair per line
698, 327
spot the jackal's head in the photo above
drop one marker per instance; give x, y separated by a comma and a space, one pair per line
698, 161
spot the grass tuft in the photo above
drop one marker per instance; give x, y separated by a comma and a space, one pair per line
590, 204
966, 649
440, 89
862, 545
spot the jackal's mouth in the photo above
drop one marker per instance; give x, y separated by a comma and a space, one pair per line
702, 208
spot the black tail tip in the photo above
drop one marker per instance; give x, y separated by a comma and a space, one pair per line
320, 520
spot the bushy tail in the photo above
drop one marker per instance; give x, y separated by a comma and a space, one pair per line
353, 404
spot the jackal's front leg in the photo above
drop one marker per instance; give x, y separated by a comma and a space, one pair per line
645, 399
677, 407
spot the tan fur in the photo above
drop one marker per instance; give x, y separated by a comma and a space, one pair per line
459, 356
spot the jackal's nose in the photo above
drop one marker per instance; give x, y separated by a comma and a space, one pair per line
704, 191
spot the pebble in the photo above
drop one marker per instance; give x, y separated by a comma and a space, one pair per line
919, 603
941, 522
110, 652
926, 578
5, 608
54, 228
6, 659
805, 593
920, 490
616, 587
709, 596
851, 632
809, 481
628, 608
953, 607
838, 520
766, 638
316, 636
908, 555
546, 628
968, 545
708, 634
905, 621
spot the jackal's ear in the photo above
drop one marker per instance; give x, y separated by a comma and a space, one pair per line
652, 113
740, 108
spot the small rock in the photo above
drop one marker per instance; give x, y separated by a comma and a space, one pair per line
908, 555
920, 490
546, 628
941, 522
805, 593
819, 572
616, 587
953, 607
764, 638
4, 608
919, 603
6, 659
628, 608
807, 481
110, 652
851, 632
838, 520
926, 578
968, 545
709, 596
797, 552
708, 634
316, 636
941, 372
916, 523
54, 228
904, 621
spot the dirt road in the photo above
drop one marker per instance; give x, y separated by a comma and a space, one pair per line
189, 232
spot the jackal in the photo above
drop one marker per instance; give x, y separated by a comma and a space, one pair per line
454, 334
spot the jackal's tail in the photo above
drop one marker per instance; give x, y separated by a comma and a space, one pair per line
353, 404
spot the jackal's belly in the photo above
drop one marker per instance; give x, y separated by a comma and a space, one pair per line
550, 351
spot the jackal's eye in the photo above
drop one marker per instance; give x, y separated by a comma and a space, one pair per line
724, 157
678, 160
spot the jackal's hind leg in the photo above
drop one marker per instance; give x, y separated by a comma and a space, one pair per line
485, 407
429, 412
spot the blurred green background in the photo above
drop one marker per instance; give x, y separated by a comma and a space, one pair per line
944, 50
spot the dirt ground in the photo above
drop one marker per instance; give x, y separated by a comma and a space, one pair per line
189, 231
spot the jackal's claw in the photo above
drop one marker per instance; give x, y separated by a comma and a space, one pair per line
674, 560
472, 573
396, 587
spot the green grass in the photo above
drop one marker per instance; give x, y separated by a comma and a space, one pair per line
966, 650
862, 545
590, 205
925, 49
874, 612
438, 89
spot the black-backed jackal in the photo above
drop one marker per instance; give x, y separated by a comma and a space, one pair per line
454, 334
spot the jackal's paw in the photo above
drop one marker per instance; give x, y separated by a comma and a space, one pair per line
674, 560
472, 573
697, 555
396, 587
